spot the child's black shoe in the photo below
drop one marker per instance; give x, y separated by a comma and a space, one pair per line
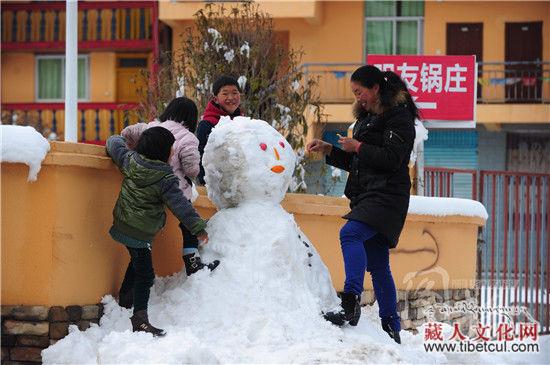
140, 323
194, 263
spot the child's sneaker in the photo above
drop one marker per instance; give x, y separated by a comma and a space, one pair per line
193, 264
140, 323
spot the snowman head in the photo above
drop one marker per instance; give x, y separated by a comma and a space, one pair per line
246, 160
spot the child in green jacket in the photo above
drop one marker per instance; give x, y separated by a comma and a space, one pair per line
149, 185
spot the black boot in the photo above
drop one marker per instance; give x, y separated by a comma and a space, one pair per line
140, 323
387, 326
126, 299
352, 307
193, 264
351, 311
336, 318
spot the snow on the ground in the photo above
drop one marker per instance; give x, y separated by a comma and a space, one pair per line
203, 329
25, 145
446, 206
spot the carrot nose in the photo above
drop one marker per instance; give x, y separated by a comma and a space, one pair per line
276, 154
278, 169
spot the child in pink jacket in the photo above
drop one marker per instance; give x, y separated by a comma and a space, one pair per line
180, 118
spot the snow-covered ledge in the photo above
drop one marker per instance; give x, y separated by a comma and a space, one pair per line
56, 250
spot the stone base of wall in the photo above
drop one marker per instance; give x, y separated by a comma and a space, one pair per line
446, 306
27, 330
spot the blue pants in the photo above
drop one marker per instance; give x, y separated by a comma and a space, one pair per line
363, 249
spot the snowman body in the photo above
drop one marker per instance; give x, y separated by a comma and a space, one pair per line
249, 167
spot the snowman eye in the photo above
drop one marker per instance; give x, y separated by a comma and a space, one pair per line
263, 146
282, 144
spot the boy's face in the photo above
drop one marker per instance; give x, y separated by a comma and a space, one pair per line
229, 98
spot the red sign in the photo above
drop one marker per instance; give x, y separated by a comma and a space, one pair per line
443, 87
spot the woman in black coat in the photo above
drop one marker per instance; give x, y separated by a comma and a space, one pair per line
378, 187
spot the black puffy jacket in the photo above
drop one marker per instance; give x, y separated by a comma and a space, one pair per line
379, 184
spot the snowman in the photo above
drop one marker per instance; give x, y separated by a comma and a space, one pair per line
264, 302
249, 166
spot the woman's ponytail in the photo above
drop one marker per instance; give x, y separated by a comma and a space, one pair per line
393, 86
390, 85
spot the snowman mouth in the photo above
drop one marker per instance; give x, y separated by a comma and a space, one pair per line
278, 169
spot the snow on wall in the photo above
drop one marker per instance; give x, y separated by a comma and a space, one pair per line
22, 144
446, 206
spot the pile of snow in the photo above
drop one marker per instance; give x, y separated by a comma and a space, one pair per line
23, 144
446, 206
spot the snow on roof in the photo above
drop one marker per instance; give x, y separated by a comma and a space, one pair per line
424, 205
24, 145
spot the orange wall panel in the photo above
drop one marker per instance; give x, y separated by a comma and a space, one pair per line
18, 71
103, 77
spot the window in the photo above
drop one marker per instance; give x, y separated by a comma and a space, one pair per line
394, 27
50, 78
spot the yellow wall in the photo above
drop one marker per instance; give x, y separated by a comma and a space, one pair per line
56, 249
175, 11
54, 243
103, 77
337, 37
492, 14
18, 71
336, 34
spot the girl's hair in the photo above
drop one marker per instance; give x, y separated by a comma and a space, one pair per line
155, 144
182, 110
390, 85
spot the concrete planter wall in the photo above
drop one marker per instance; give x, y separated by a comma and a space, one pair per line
56, 250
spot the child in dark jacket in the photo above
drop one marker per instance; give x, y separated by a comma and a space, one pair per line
226, 101
149, 185
180, 118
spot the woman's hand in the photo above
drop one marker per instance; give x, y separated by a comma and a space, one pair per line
319, 146
349, 144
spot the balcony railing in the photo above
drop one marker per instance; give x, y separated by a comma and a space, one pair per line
498, 82
102, 24
96, 121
